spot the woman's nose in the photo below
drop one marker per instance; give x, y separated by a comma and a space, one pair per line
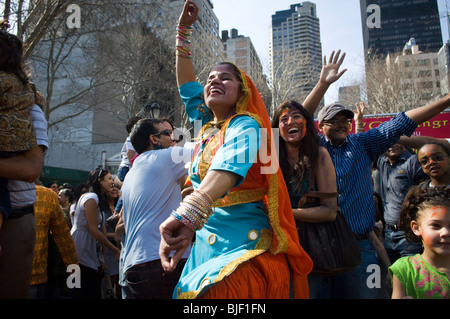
214, 80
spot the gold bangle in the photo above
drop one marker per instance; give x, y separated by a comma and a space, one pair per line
211, 202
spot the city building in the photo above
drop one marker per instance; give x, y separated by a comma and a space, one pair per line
388, 25
295, 52
401, 81
206, 34
421, 70
239, 49
87, 118
444, 68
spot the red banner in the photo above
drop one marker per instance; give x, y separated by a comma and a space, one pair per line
438, 126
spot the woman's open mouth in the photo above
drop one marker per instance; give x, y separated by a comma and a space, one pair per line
215, 91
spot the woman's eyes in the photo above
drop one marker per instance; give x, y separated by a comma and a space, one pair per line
225, 78
294, 117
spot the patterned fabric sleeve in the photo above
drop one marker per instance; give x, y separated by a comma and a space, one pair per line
61, 233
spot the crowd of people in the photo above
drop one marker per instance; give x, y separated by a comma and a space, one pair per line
219, 220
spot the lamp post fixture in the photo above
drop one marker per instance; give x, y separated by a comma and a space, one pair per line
155, 110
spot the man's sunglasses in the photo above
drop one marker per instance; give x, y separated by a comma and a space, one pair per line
164, 132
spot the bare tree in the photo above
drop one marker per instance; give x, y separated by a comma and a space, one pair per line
33, 18
115, 51
141, 66
399, 83
50, 47
293, 76
62, 64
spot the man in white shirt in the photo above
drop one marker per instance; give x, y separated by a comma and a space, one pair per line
127, 153
150, 193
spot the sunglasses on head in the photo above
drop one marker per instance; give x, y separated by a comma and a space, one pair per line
164, 132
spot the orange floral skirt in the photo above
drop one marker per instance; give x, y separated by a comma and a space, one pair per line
266, 276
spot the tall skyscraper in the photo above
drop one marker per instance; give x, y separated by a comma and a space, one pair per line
239, 49
295, 52
388, 25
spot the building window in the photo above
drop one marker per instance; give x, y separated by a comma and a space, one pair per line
423, 62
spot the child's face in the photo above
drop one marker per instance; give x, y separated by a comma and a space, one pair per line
433, 226
434, 160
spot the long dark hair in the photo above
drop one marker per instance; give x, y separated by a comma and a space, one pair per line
95, 187
308, 153
11, 54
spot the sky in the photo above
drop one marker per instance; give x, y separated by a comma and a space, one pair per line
340, 28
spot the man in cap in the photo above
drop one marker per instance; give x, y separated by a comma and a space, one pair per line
352, 155
334, 121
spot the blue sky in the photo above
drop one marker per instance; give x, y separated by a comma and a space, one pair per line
340, 28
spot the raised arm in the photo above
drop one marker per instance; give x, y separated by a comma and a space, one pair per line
419, 141
184, 68
424, 113
358, 117
329, 74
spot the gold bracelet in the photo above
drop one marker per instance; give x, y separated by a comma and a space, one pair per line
204, 193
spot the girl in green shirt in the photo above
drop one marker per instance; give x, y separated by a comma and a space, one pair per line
425, 217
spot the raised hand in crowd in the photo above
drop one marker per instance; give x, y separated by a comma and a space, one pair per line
330, 73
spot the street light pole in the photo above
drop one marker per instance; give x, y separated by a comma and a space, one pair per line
155, 110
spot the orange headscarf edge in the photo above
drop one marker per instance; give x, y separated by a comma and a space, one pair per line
281, 218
